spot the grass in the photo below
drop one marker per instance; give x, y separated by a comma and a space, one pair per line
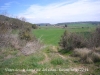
33, 62
21, 62
51, 35
51, 58
57, 61
86, 55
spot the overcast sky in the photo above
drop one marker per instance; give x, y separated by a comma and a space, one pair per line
53, 11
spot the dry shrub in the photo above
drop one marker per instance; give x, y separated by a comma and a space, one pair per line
94, 40
77, 40
31, 47
86, 55
5, 27
71, 41
81, 52
16, 42
4, 40
5, 31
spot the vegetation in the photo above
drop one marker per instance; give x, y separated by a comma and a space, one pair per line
71, 41
27, 56
57, 61
94, 40
49, 35
87, 56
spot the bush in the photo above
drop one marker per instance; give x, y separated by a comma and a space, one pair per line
86, 55
71, 41
5, 30
34, 26
78, 41
4, 27
94, 40
25, 34
80, 52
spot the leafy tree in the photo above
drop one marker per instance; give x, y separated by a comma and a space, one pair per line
65, 25
34, 26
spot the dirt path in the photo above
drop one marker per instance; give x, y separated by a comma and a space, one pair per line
45, 60
55, 49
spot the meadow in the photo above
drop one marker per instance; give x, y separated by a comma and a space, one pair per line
48, 61
52, 34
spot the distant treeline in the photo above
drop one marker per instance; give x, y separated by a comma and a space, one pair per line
68, 23
85, 22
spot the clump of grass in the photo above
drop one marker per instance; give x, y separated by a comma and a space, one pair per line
94, 56
57, 61
81, 52
87, 56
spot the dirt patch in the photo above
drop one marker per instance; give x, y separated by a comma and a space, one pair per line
55, 49
46, 59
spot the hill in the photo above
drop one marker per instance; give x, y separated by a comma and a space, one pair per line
15, 22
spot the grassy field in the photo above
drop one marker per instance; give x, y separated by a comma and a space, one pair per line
48, 61
51, 35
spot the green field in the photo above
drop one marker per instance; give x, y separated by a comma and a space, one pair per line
51, 35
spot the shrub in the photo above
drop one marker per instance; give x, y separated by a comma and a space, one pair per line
94, 40
78, 41
34, 26
4, 34
71, 41
4, 27
91, 57
25, 34
80, 52
86, 55
64, 40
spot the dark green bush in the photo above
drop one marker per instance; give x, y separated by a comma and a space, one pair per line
34, 26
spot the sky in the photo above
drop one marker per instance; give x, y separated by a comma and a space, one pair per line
52, 11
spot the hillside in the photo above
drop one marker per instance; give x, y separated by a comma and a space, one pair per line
15, 22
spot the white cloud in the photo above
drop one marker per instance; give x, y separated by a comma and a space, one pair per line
81, 10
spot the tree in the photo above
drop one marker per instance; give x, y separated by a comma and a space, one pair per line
66, 25
34, 26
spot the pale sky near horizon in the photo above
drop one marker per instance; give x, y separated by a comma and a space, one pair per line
53, 11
